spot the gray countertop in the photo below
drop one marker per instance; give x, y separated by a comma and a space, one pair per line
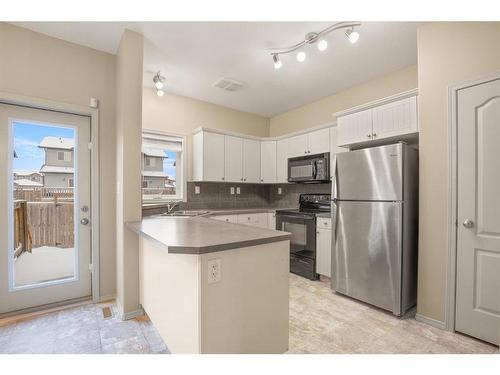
200, 235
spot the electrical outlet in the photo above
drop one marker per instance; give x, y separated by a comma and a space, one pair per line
279, 191
196, 189
238, 191
232, 190
214, 270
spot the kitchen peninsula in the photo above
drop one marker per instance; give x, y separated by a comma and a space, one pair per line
214, 287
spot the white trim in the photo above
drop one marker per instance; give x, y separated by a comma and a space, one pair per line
450, 301
378, 102
107, 298
277, 138
93, 113
128, 315
182, 169
430, 321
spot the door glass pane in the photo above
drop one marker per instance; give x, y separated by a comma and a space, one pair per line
43, 196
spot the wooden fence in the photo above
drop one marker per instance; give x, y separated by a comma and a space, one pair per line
22, 237
40, 194
51, 223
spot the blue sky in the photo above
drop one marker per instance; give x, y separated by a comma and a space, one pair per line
168, 164
27, 137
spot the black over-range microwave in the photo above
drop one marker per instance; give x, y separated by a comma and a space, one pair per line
310, 168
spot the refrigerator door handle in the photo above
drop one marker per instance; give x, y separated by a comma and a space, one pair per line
333, 263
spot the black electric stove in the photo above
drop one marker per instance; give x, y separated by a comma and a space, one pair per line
301, 223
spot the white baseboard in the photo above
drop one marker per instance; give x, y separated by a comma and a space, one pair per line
107, 298
430, 321
130, 314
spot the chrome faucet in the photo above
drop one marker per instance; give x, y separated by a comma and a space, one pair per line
171, 205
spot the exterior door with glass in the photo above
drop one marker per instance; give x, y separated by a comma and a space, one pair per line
45, 232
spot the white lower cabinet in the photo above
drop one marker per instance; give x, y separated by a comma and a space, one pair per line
226, 218
271, 220
256, 220
261, 219
324, 247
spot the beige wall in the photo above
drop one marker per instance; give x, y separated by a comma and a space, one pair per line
179, 114
129, 71
320, 112
448, 54
36, 65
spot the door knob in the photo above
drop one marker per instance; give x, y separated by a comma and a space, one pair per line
84, 221
468, 223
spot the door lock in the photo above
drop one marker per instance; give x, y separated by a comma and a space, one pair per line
468, 223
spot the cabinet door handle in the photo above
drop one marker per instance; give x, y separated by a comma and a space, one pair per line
222, 178
374, 134
369, 135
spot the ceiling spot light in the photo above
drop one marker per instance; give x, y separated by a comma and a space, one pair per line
301, 56
277, 62
322, 45
158, 81
352, 35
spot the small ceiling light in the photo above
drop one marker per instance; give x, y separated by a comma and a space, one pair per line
158, 81
160, 92
301, 56
277, 62
322, 45
352, 35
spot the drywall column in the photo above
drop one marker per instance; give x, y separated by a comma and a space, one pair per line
449, 53
129, 61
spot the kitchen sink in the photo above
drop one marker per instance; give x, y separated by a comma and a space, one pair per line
185, 213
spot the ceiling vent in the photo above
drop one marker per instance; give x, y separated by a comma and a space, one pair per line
228, 84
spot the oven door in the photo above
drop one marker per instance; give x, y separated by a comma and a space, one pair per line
303, 230
302, 242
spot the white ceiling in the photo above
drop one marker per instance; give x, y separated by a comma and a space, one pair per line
193, 55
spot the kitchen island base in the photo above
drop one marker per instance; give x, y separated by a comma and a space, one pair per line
231, 301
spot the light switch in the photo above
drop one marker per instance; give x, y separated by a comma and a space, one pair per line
197, 189
279, 191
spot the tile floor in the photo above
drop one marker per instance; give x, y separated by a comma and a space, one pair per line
320, 322
324, 322
81, 330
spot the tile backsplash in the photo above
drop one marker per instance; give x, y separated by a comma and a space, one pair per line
217, 196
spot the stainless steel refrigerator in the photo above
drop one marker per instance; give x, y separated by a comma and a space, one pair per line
375, 216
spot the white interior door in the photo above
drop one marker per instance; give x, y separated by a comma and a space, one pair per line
478, 233
45, 231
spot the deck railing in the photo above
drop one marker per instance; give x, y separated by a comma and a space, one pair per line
39, 194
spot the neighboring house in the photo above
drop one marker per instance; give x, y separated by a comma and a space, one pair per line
27, 183
152, 168
26, 175
58, 169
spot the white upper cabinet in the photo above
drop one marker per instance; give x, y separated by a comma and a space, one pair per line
282, 160
395, 118
354, 128
233, 164
318, 141
208, 156
297, 145
251, 160
268, 161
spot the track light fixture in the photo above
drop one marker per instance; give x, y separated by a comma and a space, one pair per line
277, 62
158, 80
352, 35
312, 38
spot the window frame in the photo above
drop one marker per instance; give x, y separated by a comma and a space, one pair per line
181, 170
